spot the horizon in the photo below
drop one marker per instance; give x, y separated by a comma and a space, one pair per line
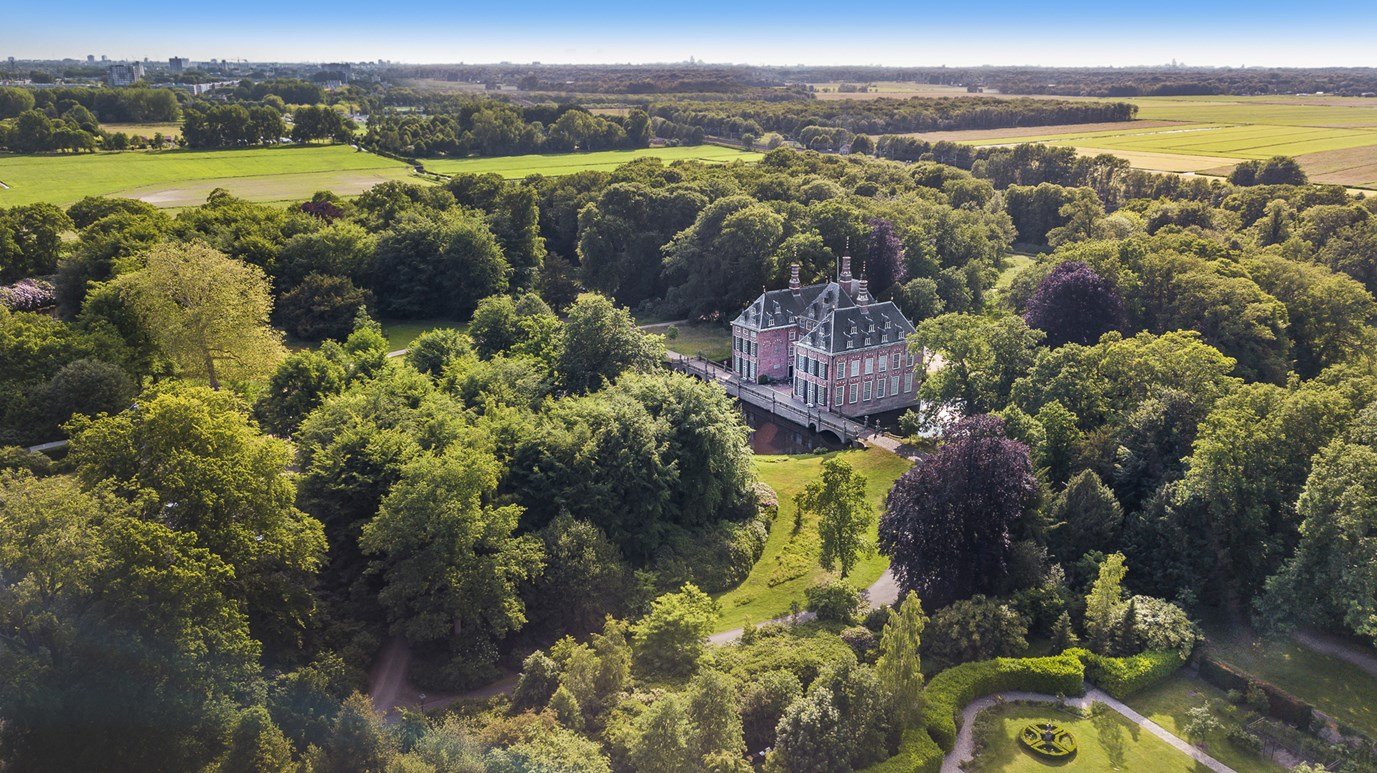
891, 34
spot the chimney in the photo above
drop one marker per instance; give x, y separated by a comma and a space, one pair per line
794, 284
863, 293
848, 284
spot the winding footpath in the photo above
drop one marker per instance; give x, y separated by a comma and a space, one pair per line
965, 739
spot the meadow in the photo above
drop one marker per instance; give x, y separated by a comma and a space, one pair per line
554, 165
789, 565
178, 178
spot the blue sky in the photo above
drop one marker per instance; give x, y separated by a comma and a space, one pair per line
887, 32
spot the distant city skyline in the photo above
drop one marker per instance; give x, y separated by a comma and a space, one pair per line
1077, 33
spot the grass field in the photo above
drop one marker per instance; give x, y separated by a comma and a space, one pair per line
1105, 742
789, 564
712, 341
1339, 689
553, 165
400, 333
1167, 703
1334, 139
144, 129
174, 178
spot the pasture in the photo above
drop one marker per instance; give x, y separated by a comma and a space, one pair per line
554, 165
178, 178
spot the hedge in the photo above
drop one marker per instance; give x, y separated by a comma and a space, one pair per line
1280, 704
950, 691
1121, 677
918, 753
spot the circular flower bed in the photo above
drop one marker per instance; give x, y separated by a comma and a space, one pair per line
1048, 739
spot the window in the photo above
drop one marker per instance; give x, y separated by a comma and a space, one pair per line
879, 388
823, 367
908, 381
841, 396
884, 363
853, 393
867, 390
869, 365
855, 368
896, 360
894, 385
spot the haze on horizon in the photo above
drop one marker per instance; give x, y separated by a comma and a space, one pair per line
1331, 33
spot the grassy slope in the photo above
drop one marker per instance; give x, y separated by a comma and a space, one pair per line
1167, 703
1343, 691
1104, 743
795, 556
62, 179
513, 167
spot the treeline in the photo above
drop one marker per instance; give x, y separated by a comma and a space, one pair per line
887, 116
493, 128
127, 105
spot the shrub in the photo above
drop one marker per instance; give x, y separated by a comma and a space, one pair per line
717, 557
1121, 677
862, 641
28, 295
976, 629
836, 600
876, 618
950, 691
918, 753
803, 652
1244, 740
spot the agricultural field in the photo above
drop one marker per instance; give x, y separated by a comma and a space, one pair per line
179, 178
554, 165
789, 564
144, 129
1335, 140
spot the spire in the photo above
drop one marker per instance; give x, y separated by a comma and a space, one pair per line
847, 282
863, 293
794, 283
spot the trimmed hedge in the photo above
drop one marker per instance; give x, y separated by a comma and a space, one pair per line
918, 753
1121, 677
1280, 704
949, 692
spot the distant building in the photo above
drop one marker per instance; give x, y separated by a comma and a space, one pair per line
123, 74
335, 72
838, 348
177, 64
90, 58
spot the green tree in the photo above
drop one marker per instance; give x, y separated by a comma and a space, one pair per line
900, 665
448, 558
601, 342
191, 458
837, 499
671, 637
207, 313
977, 628
1104, 604
299, 385
982, 357
809, 737
257, 745
1085, 516
494, 326
566, 708
432, 351
664, 738
763, 703
1063, 634
359, 742
715, 713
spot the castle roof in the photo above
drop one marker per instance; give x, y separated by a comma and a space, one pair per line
831, 318
779, 308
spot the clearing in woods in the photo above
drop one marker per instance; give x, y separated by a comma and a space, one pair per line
178, 178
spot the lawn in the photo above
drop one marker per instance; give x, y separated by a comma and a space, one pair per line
1012, 265
711, 340
174, 178
553, 165
789, 564
1104, 742
1339, 689
1167, 703
400, 333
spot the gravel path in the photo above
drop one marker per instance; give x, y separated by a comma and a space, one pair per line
965, 739
1347, 651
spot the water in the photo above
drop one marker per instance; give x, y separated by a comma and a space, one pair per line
772, 435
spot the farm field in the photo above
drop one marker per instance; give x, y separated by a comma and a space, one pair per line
789, 564
516, 167
174, 178
1334, 139
145, 129
1104, 742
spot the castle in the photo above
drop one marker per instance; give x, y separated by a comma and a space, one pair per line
839, 348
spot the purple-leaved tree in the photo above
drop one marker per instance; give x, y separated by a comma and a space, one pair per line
947, 521
1074, 305
884, 261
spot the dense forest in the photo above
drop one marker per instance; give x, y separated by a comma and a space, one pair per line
1165, 415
